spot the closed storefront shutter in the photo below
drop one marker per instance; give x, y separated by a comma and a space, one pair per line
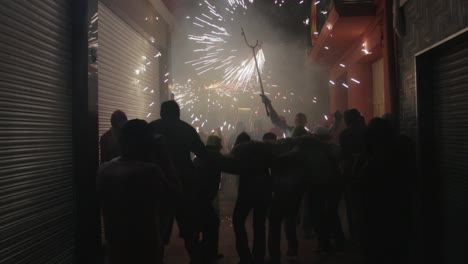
450, 97
128, 71
36, 187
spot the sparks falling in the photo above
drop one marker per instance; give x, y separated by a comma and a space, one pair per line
223, 84
214, 32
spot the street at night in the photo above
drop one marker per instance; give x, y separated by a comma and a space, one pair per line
233, 131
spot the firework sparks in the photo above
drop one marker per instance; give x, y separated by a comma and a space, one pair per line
212, 43
225, 75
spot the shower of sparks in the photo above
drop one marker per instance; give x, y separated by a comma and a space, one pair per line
220, 55
239, 76
215, 30
216, 105
212, 36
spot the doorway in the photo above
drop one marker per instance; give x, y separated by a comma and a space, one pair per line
442, 97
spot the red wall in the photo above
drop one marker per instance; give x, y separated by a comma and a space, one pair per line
338, 98
360, 94
359, 66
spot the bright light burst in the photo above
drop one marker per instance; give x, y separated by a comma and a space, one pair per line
225, 86
215, 32
240, 75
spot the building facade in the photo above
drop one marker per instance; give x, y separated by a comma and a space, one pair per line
409, 57
65, 66
353, 40
433, 110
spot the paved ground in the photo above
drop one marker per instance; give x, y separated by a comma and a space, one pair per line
175, 252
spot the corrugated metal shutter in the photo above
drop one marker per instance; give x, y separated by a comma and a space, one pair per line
128, 71
450, 73
36, 188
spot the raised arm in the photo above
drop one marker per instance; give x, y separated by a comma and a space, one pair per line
274, 117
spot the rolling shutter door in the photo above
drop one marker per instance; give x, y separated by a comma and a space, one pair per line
36, 188
450, 75
128, 71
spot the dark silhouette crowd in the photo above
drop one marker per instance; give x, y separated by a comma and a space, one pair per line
153, 175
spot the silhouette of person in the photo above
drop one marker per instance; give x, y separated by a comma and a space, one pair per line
337, 127
353, 145
257, 132
296, 174
298, 130
160, 156
203, 135
182, 140
132, 191
275, 130
269, 137
287, 175
326, 193
239, 128
109, 141
386, 190
209, 172
230, 182
254, 194
300, 120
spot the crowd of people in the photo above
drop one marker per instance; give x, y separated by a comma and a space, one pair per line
154, 173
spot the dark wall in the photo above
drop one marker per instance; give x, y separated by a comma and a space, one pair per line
426, 23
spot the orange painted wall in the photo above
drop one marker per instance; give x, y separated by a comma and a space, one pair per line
359, 66
360, 94
334, 103
338, 98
